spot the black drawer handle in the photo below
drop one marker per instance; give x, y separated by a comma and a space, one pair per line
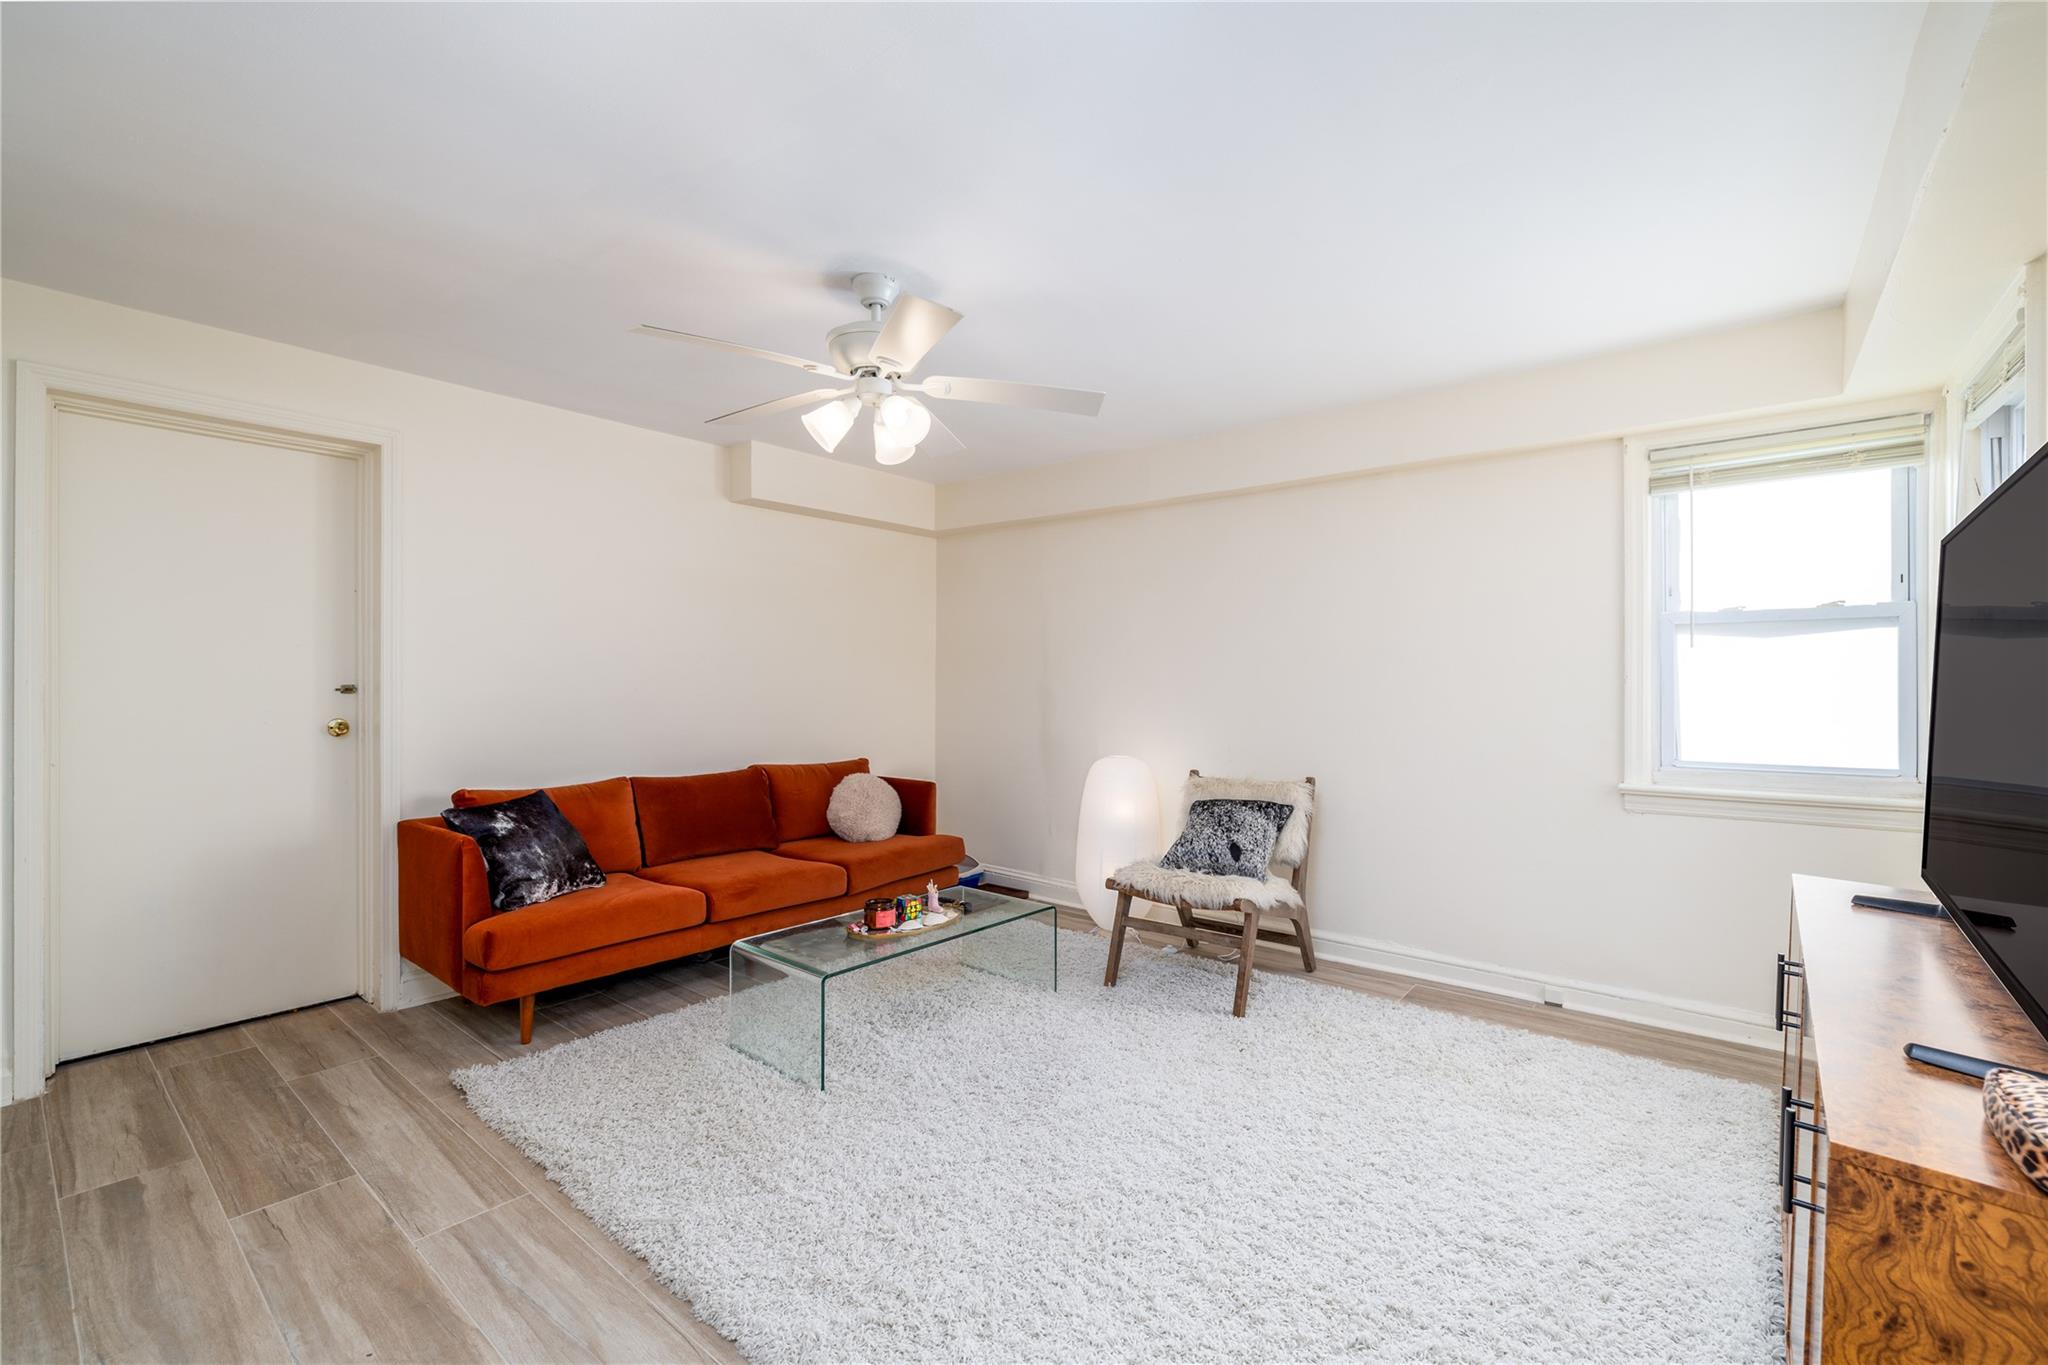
1787, 1018
1789, 1127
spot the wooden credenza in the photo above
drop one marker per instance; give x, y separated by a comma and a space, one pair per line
1909, 1235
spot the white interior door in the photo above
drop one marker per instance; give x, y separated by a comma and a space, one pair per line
204, 614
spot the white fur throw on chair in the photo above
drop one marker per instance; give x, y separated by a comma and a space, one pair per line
1292, 845
1205, 890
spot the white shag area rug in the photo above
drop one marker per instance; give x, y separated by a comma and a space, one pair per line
999, 1173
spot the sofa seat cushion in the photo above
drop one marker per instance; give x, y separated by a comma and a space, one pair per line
747, 883
602, 813
884, 860
624, 908
801, 792
690, 817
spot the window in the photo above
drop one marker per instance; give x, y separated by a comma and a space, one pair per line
1783, 640
2001, 443
1995, 418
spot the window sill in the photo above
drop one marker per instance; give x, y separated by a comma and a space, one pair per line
1783, 807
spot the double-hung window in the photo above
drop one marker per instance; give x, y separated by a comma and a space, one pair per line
1995, 441
1783, 581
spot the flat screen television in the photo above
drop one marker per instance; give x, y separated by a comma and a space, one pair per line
1984, 844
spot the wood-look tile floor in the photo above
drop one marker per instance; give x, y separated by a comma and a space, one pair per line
310, 1187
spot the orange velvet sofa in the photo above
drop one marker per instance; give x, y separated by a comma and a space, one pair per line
691, 863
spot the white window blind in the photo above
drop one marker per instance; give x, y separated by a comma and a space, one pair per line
1881, 443
1988, 389
1783, 571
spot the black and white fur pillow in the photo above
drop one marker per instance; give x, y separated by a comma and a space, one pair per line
1228, 838
531, 851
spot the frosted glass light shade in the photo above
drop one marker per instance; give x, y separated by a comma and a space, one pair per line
888, 449
1119, 824
829, 423
906, 419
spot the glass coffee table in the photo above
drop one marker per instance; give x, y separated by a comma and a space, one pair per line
775, 1007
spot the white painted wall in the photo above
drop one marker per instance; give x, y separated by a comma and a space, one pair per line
2035, 291
578, 598
763, 475
1768, 365
1441, 647
1949, 34
1980, 211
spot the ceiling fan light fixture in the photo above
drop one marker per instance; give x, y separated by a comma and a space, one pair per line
889, 448
879, 354
905, 419
829, 422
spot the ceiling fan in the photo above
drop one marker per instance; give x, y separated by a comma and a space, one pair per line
874, 355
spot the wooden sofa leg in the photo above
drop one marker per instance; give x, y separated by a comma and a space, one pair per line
1308, 943
525, 1020
1244, 958
1116, 936
1187, 917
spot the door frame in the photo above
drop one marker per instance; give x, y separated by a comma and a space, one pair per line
40, 392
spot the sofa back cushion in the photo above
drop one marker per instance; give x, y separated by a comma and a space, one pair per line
692, 817
602, 813
801, 791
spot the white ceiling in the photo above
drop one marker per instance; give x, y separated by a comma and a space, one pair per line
1216, 214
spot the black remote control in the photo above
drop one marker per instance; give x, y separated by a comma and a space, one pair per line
1960, 1063
1927, 908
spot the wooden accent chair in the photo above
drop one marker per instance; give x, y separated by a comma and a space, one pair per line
1283, 895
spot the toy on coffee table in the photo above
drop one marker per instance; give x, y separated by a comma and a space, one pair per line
894, 916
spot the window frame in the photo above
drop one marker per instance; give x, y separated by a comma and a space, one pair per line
1790, 795
1997, 392
1902, 610
2008, 409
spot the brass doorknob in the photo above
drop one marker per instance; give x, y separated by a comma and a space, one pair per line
337, 727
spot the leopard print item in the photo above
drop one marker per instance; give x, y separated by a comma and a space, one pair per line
2016, 1111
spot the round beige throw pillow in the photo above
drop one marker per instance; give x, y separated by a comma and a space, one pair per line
863, 809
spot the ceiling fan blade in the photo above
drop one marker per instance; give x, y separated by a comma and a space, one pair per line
1080, 402
940, 440
773, 406
814, 366
913, 327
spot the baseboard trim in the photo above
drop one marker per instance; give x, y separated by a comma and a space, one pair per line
1058, 891
1698, 1018
416, 987
1612, 1002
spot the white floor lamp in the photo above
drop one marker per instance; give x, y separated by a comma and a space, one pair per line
1119, 824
